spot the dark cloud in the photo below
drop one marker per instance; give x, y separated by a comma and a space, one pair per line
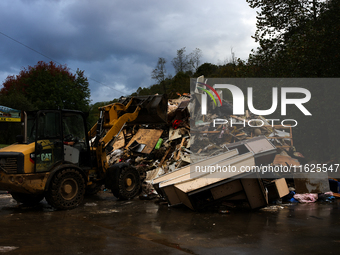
118, 43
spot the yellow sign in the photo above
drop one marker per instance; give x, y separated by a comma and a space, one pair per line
5, 119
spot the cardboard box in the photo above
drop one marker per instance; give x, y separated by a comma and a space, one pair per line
277, 189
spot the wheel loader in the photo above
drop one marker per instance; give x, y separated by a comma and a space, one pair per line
58, 159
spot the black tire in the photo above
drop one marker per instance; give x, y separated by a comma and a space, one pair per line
66, 190
27, 199
127, 183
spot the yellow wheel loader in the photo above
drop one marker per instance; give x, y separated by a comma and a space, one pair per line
59, 159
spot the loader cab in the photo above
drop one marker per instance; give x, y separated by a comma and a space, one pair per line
60, 136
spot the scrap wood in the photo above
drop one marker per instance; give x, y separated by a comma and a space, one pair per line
183, 105
205, 132
241, 134
119, 141
148, 137
280, 137
247, 114
337, 195
164, 157
283, 160
152, 174
179, 149
186, 158
174, 133
230, 134
278, 126
171, 108
238, 118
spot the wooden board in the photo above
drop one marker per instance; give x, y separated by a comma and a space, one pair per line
226, 189
201, 181
120, 141
188, 171
255, 192
282, 160
149, 137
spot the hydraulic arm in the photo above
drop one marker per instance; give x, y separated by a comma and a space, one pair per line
113, 117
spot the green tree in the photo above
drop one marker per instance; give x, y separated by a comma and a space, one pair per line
195, 59
180, 84
206, 69
47, 86
314, 51
181, 62
304, 44
16, 101
94, 113
159, 73
278, 21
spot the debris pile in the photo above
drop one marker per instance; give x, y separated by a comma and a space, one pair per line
166, 156
156, 149
217, 129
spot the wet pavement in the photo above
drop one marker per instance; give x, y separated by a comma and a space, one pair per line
103, 225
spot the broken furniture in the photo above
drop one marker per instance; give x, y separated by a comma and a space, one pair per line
197, 189
277, 189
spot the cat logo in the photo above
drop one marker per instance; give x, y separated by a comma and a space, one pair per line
46, 156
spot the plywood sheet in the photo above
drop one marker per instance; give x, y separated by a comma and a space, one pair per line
226, 189
210, 178
148, 137
282, 160
172, 196
255, 192
188, 172
120, 141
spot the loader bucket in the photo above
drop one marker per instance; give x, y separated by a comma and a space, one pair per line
154, 109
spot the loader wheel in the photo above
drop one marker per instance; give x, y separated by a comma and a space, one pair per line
66, 190
127, 183
27, 199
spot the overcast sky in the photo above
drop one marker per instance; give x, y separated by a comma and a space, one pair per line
118, 42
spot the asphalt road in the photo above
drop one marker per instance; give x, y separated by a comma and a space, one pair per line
103, 225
